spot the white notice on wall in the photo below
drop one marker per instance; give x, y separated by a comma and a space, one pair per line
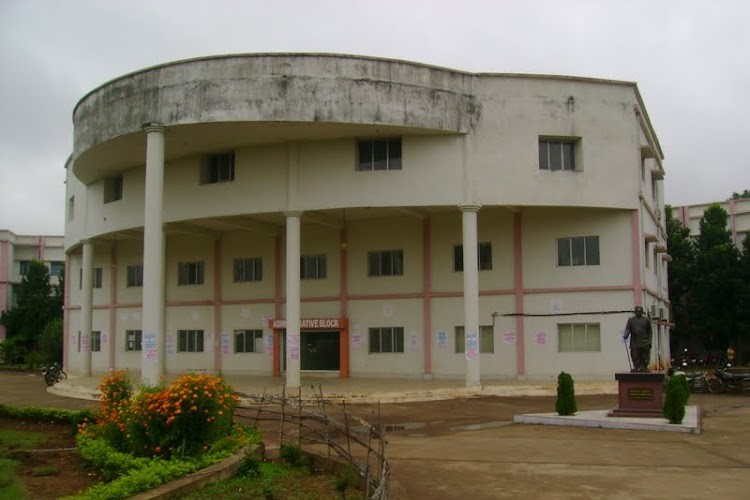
472, 346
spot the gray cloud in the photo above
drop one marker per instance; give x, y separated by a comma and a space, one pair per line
687, 57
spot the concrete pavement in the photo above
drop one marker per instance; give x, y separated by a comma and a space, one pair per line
402, 390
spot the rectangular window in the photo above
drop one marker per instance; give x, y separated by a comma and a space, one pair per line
112, 188
248, 269
385, 263
190, 340
386, 339
135, 275
133, 340
557, 154
71, 207
578, 337
217, 168
313, 267
190, 273
56, 268
96, 341
248, 341
578, 251
484, 257
96, 276
23, 267
486, 339
380, 155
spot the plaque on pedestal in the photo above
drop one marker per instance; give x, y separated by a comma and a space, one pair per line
641, 394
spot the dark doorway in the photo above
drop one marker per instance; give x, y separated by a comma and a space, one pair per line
319, 350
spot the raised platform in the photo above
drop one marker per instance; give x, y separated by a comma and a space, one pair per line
640, 394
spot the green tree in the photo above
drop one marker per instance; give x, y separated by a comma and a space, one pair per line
682, 251
743, 194
743, 302
716, 283
37, 303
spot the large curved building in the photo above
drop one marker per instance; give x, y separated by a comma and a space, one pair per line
279, 213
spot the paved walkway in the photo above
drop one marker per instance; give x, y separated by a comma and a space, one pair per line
402, 390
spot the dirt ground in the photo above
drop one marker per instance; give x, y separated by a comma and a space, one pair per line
469, 448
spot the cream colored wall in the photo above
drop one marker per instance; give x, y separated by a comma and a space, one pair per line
447, 313
128, 253
493, 226
544, 360
190, 318
405, 313
541, 227
250, 317
189, 249
516, 111
431, 174
127, 319
236, 245
317, 239
385, 234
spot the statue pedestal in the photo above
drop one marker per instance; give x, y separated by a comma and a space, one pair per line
641, 394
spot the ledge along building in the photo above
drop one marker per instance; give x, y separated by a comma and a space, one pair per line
281, 214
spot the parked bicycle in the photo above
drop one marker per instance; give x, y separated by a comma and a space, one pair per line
53, 374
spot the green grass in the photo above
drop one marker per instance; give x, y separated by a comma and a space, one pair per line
278, 481
11, 440
10, 487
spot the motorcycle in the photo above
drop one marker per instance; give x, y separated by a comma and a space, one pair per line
53, 374
721, 380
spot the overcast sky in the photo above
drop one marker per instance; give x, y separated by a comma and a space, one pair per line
689, 58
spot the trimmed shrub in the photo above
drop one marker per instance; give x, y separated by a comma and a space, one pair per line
566, 396
676, 395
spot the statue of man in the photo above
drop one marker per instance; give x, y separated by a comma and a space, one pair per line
638, 328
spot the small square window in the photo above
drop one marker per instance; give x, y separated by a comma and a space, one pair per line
190, 340
486, 339
133, 340
557, 154
484, 257
217, 168
578, 337
248, 269
385, 263
190, 273
112, 188
380, 155
23, 267
313, 267
56, 268
96, 341
248, 341
386, 339
135, 276
97, 277
578, 251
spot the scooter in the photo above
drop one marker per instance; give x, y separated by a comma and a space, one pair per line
53, 374
722, 380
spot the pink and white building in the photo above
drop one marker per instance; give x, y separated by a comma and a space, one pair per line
292, 213
16, 253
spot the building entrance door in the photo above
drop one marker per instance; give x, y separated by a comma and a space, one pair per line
319, 350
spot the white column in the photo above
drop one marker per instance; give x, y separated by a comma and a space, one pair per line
152, 363
292, 299
471, 294
87, 298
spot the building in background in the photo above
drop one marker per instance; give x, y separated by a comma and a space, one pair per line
288, 214
738, 222
16, 252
